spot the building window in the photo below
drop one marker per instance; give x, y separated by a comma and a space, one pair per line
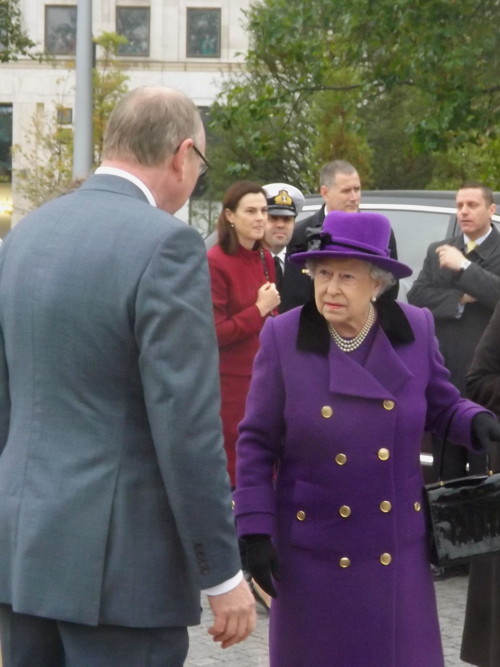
133, 23
203, 33
60, 30
64, 115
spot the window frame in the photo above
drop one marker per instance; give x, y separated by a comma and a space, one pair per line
47, 39
193, 13
122, 50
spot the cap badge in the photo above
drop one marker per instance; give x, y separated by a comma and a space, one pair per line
283, 199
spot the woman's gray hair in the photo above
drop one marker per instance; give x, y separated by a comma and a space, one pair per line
386, 278
148, 124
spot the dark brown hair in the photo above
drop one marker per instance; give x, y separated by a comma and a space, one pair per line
226, 236
474, 185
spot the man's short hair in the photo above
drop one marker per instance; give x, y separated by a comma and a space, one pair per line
475, 185
329, 171
148, 124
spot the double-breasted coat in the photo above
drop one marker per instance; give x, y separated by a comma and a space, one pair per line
328, 465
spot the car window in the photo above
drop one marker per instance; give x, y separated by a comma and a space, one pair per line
414, 232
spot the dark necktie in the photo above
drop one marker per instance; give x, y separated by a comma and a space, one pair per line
279, 272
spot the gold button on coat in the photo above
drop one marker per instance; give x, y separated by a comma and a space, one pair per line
340, 459
345, 511
383, 454
326, 411
345, 562
386, 559
385, 506
301, 515
417, 506
389, 405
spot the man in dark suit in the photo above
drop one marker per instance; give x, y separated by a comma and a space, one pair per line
284, 203
114, 497
460, 284
340, 187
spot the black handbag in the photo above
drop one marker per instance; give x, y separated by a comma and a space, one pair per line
463, 516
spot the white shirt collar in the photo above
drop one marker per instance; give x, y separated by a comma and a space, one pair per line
280, 255
480, 239
114, 171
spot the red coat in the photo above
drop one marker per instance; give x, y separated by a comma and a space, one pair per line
236, 280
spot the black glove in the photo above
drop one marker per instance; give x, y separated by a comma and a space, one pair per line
261, 561
485, 430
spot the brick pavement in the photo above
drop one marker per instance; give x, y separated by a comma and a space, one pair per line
451, 596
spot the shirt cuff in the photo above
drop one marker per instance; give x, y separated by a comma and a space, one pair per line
226, 586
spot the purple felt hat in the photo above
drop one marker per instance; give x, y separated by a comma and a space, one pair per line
362, 236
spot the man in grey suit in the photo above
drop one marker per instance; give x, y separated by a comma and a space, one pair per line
460, 284
114, 498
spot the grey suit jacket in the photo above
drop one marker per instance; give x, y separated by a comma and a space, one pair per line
441, 289
114, 496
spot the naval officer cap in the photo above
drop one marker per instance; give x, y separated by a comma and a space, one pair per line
283, 199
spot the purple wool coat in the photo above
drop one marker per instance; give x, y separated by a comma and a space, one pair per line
328, 464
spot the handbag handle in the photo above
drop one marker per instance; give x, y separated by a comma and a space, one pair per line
441, 452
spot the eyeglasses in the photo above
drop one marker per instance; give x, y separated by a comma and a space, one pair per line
205, 163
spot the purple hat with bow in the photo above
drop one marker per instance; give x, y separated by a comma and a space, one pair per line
362, 236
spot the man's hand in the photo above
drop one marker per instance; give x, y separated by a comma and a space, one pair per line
467, 298
234, 615
450, 257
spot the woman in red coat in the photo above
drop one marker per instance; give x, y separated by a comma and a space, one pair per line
243, 295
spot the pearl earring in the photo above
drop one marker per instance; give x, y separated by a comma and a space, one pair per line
373, 299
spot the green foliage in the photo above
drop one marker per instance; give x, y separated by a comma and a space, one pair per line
476, 159
48, 148
401, 88
13, 40
109, 84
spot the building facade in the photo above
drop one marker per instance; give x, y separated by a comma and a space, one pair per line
190, 45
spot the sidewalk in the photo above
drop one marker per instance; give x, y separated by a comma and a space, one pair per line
451, 596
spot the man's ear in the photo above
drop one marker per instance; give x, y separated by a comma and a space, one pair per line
178, 159
323, 191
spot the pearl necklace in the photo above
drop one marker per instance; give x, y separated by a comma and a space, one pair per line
351, 344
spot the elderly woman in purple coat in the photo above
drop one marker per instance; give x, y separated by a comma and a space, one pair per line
329, 486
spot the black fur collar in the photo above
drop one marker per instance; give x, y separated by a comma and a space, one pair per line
313, 335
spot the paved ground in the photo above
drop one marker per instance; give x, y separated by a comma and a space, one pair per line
451, 595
